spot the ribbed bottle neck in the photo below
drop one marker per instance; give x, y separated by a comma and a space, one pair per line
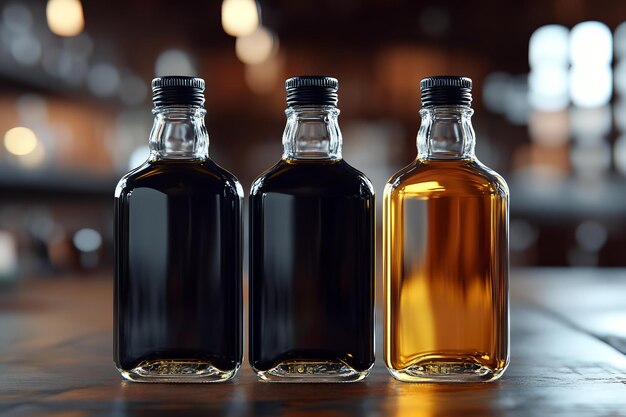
446, 132
178, 132
312, 132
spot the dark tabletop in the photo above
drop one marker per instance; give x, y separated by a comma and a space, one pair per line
568, 345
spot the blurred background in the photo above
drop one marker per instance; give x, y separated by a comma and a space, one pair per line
549, 94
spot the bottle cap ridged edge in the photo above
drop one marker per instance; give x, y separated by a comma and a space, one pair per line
445, 90
314, 90
446, 81
312, 81
176, 90
178, 81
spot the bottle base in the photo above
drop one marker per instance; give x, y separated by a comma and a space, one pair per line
177, 371
447, 370
312, 372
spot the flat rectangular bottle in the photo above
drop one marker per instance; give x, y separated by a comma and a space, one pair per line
178, 310
445, 251
312, 251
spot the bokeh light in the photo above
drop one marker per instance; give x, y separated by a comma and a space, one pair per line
548, 45
20, 140
549, 63
591, 54
256, 47
65, 17
591, 44
591, 86
240, 17
87, 240
548, 88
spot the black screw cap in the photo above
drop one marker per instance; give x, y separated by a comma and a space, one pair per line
175, 90
446, 90
312, 90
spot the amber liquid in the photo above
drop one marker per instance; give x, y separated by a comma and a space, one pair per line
178, 272
446, 272
312, 272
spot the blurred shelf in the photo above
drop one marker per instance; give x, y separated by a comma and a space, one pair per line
51, 183
569, 199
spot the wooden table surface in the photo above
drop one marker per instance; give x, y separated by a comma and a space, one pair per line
568, 359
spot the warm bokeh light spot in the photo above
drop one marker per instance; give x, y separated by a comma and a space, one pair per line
240, 17
256, 47
65, 17
20, 140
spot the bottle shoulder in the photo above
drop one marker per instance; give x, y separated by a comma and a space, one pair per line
310, 177
173, 176
447, 177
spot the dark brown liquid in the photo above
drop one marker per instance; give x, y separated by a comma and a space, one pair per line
178, 268
312, 266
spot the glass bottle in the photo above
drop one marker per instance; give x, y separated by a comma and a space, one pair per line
178, 271
312, 251
445, 250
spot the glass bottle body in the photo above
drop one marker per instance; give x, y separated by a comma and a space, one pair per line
445, 247
311, 267
178, 264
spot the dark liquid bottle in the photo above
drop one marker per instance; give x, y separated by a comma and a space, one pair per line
178, 251
312, 251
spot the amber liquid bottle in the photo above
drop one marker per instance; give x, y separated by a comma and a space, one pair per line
177, 301
312, 251
445, 251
